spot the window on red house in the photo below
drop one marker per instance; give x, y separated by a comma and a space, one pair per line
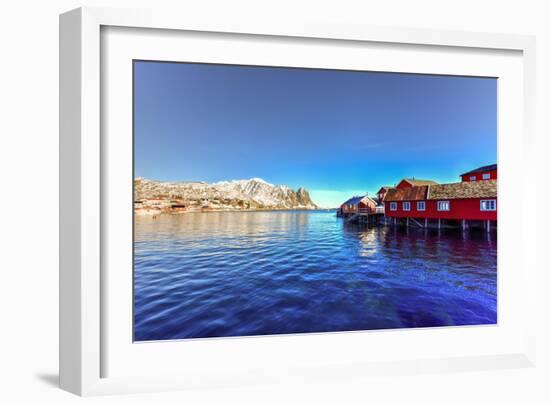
488, 205
443, 205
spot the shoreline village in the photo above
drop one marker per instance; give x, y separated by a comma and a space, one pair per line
470, 203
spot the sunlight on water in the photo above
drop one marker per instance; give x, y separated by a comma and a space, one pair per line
257, 273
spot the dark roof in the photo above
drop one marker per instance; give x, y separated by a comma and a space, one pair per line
463, 190
492, 167
384, 188
410, 193
419, 182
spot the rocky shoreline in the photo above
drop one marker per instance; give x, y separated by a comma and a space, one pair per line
156, 212
155, 197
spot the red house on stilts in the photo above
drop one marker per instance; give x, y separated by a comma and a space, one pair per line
472, 202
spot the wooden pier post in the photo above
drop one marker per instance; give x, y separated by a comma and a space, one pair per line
463, 225
488, 225
407, 221
425, 223
439, 223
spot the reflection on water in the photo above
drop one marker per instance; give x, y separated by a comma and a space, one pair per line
258, 273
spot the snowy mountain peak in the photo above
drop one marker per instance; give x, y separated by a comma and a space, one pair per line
259, 180
243, 182
253, 193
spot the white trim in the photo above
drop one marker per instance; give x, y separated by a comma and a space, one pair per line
418, 203
483, 204
393, 206
486, 176
441, 203
406, 206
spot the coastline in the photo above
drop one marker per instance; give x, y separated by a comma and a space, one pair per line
155, 212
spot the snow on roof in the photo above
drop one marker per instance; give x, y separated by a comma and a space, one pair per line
357, 199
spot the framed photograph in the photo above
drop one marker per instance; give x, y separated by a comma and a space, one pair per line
249, 202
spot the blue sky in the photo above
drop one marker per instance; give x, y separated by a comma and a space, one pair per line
336, 133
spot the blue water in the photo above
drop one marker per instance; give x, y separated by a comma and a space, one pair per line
258, 273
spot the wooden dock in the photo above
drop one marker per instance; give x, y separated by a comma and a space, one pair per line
365, 216
377, 218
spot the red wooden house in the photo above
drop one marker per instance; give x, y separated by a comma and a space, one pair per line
358, 204
486, 172
476, 200
406, 202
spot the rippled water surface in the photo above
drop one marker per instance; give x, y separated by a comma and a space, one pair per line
257, 273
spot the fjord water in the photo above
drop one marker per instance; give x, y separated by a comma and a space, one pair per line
220, 274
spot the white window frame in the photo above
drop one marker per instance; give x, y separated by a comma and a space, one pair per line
486, 176
473, 178
393, 206
421, 203
440, 203
483, 205
406, 206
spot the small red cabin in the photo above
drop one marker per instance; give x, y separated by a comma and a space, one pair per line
358, 204
487, 172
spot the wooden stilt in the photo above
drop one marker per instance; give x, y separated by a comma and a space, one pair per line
488, 225
425, 223
407, 221
439, 223
463, 225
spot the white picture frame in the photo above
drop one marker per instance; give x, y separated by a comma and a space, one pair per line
88, 336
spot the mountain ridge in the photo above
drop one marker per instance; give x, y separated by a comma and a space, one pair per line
238, 194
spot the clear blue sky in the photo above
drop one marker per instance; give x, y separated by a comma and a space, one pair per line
336, 133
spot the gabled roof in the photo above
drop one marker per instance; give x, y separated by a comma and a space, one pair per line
357, 199
354, 200
463, 190
419, 182
486, 168
371, 200
410, 193
386, 188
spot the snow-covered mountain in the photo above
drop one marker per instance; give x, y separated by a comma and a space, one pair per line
252, 193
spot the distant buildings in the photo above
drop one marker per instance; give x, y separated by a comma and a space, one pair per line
359, 204
156, 206
471, 202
